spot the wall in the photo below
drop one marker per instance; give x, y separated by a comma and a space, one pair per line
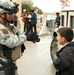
20, 10
20, 7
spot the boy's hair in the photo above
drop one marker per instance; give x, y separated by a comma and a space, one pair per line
67, 33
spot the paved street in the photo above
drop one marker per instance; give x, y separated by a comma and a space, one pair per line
36, 59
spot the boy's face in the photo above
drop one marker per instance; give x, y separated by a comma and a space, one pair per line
61, 40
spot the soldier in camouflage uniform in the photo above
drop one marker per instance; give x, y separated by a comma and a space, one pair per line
10, 37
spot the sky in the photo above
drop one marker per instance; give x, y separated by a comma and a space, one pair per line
52, 5
48, 5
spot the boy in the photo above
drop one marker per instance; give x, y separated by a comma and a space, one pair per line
64, 61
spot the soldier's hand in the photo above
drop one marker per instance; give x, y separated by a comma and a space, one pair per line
4, 31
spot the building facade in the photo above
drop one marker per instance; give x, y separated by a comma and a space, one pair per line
20, 10
20, 7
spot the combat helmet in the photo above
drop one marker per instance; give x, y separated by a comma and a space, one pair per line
7, 6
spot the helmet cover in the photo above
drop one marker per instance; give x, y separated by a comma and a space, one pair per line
7, 6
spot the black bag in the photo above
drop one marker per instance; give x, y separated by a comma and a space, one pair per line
33, 37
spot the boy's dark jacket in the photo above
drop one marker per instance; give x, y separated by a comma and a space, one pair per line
65, 60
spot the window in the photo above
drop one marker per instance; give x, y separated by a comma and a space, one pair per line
62, 20
72, 21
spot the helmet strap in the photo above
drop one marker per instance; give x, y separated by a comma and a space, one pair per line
5, 18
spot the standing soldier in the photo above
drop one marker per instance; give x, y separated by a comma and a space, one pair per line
10, 38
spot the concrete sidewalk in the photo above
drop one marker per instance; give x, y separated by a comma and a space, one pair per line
36, 59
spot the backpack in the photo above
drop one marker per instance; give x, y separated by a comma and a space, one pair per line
33, 37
